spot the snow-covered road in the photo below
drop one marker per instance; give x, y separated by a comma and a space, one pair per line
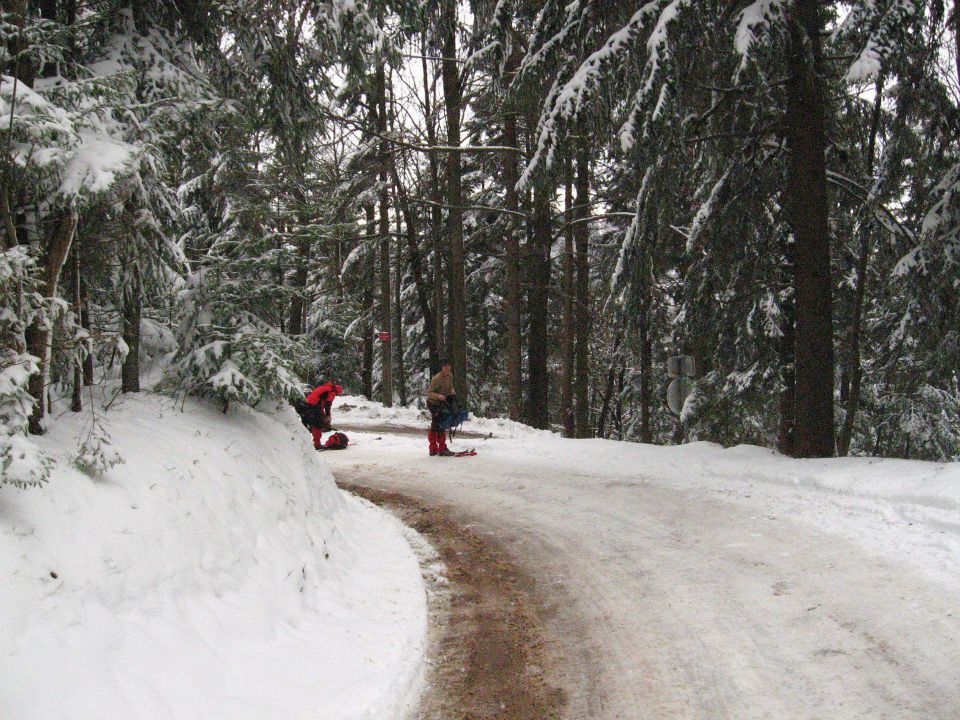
668, 602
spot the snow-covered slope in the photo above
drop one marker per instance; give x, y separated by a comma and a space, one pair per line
217, 573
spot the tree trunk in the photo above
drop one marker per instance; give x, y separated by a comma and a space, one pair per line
22, 69
76, 402
456, 283
436, 219
618, 413
854, 367
567, 417
786, 436
608, 387
646, 366
366, 372
416, 267
398, 319
582, 312
538, 385
512, 297
385, 301
956, 36
132, 308
85, 324
298, 307
38, 334
807, 209
10, 239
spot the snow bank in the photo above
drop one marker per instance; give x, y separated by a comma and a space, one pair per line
217, 573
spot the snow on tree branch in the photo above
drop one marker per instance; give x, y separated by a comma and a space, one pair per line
882, 41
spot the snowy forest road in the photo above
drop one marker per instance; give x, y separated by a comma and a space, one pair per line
664, 603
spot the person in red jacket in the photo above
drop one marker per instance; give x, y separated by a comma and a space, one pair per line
322, 398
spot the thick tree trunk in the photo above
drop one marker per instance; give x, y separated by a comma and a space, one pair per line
456, 282
512, 296
786, 436
38, 335
567, 417
538, 384
582, 312
807, 207
132, 308
436, 218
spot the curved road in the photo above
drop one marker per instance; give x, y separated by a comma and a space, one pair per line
667, 604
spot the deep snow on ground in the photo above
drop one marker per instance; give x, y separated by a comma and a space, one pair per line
698, 583
907, 510
217, 573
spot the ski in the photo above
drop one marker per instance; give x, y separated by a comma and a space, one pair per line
465, 453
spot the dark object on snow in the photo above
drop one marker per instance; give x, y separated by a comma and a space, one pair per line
337, 441
312, 415
447, 415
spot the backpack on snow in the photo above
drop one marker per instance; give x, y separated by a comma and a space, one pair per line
337, 441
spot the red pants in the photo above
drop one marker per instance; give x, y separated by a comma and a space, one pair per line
438, 441
317, 436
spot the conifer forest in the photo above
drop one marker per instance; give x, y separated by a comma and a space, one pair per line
556, 195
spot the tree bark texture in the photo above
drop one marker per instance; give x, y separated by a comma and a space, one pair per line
806, 203
386, 298
538, 379
76, 401
38, 334
582, 312
646, 366
567, 417
456, 282
132, 310
366, 371
85, 324
397, 332
512, 296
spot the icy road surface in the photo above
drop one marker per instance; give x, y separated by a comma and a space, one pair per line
665, 601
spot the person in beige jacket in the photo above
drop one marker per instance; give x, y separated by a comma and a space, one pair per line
439, 393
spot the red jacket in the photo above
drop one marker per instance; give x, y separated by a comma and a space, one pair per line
324, 393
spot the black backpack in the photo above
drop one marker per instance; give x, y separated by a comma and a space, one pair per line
310, 415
